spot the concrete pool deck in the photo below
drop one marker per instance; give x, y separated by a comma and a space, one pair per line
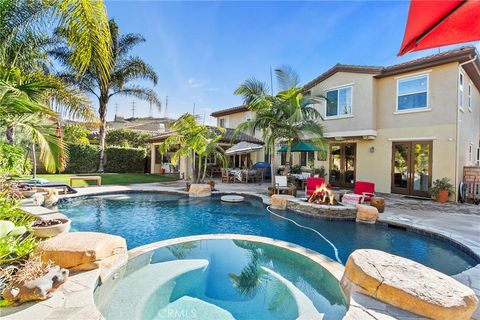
459, 222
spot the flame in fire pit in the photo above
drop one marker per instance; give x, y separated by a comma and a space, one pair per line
322, 195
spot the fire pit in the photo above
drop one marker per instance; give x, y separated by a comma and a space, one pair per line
322, 204
323, 195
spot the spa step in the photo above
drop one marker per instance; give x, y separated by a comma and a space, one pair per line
192, 308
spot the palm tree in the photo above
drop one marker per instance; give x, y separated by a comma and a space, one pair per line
124, 69
196, 141
85, 26
286, 117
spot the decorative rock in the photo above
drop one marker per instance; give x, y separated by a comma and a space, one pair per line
378, 203
86, 249
200, 190
407, 285
232, 198
38, 289
279, 201
366, 214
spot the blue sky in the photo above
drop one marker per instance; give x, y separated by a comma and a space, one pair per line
202, 51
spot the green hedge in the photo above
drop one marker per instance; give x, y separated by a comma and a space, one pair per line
83, 158
12, 160
125, 160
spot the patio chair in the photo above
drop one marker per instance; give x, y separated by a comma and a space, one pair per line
247, 176
313, 184
366, 190
260, 175
281, 184
226, 177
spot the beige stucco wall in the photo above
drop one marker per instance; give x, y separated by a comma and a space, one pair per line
363, 115
468, 128
442, 99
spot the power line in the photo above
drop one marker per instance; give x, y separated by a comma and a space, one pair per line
133, 109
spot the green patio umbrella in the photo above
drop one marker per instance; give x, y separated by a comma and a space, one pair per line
301, 146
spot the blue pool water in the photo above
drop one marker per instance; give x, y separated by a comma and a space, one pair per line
143, 218
222, 279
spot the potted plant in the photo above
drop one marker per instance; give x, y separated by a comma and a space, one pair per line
46, 228
442, 189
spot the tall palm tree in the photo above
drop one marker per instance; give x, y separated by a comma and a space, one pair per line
84, 22
124, 69
287, 117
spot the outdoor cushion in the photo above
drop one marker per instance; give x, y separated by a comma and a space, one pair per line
312, 184
366, 189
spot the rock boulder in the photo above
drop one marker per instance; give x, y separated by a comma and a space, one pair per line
279, 201
407, 285
82, 250
200, 190
366, 214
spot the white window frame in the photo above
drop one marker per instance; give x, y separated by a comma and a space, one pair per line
339, 116
461, 91
413, 77
225, 122
469, 100
470, 152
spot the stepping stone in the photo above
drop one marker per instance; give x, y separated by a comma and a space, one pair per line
232, 198
408, 285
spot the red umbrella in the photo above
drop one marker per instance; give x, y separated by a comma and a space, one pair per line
438, 23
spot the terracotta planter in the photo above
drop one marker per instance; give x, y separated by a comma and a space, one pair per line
442, 197
51, 231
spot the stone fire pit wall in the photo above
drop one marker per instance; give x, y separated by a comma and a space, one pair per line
321, 211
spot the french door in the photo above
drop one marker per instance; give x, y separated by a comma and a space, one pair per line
342, 164
411, 168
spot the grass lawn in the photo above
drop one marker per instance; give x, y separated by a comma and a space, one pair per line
107, 178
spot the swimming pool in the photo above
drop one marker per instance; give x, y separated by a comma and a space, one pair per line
224, 279
143, 218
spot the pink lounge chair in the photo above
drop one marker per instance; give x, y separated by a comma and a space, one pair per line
312, 184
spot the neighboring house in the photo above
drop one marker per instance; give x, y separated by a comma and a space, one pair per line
161, 163
400, 126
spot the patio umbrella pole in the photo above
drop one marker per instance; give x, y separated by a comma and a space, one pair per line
34, 161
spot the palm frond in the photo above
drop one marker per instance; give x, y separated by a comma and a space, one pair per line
287, 78
139, 92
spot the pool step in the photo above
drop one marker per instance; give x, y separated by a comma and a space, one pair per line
192, 308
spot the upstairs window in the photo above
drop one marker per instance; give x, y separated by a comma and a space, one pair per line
339, 102
222, 123
412, 93
470, 95
460, 90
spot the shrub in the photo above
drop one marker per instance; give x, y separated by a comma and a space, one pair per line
126, 138
76, 133
125, 160
440, 185
83, 158
13, 161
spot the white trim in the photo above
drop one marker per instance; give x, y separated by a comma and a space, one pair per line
469, 96
339, 87
352, 133
418, 75
338, 97
412, 139
412, 74
461, 109
413, 110
343, 116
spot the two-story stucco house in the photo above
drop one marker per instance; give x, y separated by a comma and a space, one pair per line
400, 126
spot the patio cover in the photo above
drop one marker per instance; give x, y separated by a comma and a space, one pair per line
301, 146
438, 23
243, 147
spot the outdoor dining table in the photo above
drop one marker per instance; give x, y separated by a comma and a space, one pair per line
237, 173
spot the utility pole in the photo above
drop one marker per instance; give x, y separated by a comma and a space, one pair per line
116, 108
150, 111
133, 108
166, 106
194, 108
271, 80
